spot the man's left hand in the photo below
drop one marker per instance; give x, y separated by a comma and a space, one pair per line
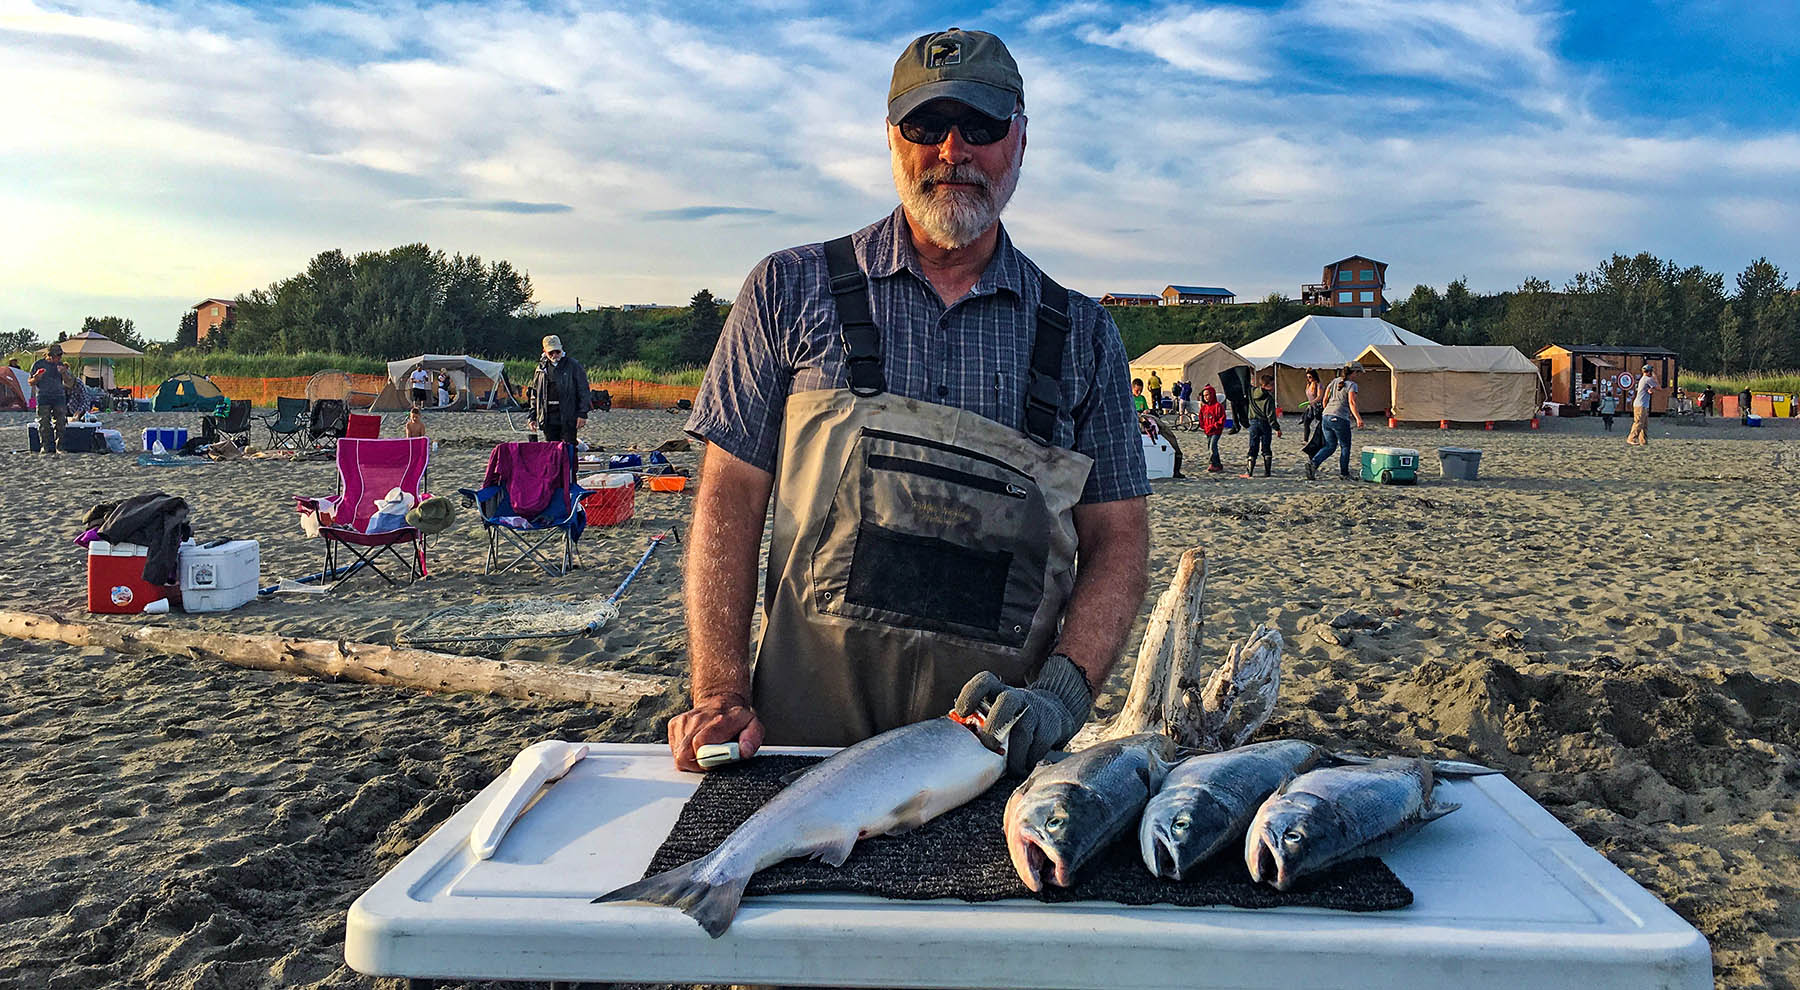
1044, 715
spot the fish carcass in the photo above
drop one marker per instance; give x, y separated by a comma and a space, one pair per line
1326, 816
891, 782
1067, 811
1207, 801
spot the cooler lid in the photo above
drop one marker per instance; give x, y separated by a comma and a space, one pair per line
1458, 450
101, 548
1392, 451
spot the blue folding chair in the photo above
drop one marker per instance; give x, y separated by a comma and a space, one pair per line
548, 538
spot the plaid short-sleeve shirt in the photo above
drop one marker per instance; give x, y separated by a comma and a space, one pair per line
783, 337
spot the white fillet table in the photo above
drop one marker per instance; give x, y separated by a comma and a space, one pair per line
1505, 897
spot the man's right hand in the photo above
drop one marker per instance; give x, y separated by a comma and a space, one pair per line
717, 719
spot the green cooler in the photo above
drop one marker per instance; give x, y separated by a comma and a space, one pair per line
1390, 465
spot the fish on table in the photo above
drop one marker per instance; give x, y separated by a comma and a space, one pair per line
1206, 802
892, 782
1328, 815
1067, 811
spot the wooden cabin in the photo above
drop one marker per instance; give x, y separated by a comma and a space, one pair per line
1575, 374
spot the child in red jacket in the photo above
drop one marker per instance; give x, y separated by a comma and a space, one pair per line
1212, 423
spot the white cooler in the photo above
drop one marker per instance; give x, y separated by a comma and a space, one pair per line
219, 576
1159, 458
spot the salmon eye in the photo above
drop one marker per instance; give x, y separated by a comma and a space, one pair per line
1055, 823
1182, 822
1292, 837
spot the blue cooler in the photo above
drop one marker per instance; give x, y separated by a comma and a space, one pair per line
171, 437
1390, 465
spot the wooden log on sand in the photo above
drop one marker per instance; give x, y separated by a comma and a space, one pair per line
368, 663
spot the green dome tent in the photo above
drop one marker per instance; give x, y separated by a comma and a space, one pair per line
187, 392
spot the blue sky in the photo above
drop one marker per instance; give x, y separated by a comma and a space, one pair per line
157, 154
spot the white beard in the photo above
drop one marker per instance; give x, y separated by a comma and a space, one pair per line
952, 218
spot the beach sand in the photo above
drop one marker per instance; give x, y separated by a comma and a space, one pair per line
1614, 627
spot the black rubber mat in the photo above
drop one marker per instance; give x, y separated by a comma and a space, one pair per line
963, 855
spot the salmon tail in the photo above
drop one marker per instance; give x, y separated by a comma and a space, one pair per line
713, 905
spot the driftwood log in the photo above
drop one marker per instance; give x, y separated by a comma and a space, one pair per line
1170, 692
368, 663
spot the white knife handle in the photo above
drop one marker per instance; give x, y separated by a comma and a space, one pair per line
535, 766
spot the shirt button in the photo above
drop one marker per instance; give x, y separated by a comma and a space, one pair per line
943, 390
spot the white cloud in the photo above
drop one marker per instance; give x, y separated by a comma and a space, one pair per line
1220, 42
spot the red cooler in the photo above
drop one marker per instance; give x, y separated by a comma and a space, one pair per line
116, 580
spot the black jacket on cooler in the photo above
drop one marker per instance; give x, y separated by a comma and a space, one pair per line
569, 383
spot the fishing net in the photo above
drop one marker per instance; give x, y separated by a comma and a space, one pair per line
485, 627
489, 626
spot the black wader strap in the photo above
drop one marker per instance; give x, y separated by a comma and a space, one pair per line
1043, 390
862, 338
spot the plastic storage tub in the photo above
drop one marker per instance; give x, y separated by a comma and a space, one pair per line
1159, 458
1390, 465
1459, 463
609, 506
171, 437
220, 576
116, 582
77, 438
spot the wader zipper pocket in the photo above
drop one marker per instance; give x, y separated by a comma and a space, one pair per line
948, 448
884, 462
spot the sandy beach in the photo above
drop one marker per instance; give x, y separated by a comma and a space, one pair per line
1617, 628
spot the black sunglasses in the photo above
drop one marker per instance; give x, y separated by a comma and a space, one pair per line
931, 127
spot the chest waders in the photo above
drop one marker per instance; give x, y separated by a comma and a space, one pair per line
914, 544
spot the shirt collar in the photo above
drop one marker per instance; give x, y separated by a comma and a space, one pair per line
889, 250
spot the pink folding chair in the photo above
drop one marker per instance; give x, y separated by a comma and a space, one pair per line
367, 471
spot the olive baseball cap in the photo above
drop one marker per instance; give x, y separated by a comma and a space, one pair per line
970, 67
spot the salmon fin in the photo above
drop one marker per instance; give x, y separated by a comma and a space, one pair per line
793, 775
911, 813
833, 851
712, 905
1437, 809
1053, 757
1457, 768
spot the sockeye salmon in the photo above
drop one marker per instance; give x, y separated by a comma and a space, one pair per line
1207, 801
1067, 811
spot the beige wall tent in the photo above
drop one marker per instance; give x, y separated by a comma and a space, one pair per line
1197, 363
1460, 384
1324, 344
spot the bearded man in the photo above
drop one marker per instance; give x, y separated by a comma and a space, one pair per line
949, 441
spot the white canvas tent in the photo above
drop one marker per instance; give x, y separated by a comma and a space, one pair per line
479, 383
1324, 344
1196, 363
1459, 384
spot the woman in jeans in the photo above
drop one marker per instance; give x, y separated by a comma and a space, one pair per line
1340, 409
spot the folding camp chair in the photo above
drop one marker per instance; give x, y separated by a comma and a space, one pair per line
521, 473
367, 471
233, 426
287, 425
363, 426
326, 423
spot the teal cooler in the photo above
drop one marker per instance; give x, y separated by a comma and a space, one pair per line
1390, 465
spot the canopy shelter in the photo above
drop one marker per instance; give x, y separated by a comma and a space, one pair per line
479, 384
15, 390
91, 356
1462, 384
1323, 344
187, 392
1196, 363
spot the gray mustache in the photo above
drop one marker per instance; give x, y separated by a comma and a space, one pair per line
951, 173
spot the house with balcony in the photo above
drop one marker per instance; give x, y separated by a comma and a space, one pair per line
1354, 286
1189, 295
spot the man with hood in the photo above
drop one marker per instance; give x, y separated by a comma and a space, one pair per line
559, 393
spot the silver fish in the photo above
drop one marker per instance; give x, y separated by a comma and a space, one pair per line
1207, 801
1067, 811
888, 783
1326, 816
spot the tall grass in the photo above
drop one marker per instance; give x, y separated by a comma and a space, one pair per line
156, 366
521, 371
1785, 382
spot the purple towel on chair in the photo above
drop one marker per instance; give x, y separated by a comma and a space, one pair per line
532, 472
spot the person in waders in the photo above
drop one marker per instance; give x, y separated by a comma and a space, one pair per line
948, 439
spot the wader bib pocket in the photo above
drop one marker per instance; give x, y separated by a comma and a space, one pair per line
931, 536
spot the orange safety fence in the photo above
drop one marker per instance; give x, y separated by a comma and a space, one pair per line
645, 395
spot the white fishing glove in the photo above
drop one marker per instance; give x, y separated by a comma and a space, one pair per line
1045, 714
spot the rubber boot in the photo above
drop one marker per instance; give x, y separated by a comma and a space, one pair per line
1312, 470
1250, 470
1266, 462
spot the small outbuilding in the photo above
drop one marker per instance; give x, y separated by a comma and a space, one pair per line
1577, 374
1458, 384
1197, 363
